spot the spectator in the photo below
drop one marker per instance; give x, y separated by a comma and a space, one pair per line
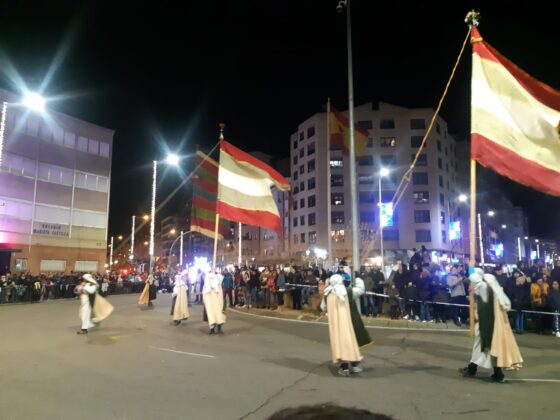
456, 284
394, 301
368, 308
280, 286
295, 278
441, 296
520, 297
539, 291
410, 295
227, 286
554, 305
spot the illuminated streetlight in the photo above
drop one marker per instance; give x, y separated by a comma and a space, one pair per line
172, 159
146, 217
491, 213
146, 242
463, 198
504, 226
34, 101
120, 237
536, 240
172, 231
526, 237
384, 172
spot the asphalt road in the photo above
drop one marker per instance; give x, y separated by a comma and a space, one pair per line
137, 365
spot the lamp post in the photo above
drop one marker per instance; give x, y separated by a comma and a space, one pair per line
111, 253
132, 238
172, 159
382, 173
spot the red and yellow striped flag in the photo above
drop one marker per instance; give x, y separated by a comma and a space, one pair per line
244, 193
339, 128
515, 120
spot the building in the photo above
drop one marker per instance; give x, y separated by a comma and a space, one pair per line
395, 134
55, 179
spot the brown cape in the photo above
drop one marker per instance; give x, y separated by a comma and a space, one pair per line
504, 347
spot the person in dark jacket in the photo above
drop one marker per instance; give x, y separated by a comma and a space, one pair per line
227, 287
520, 300
410, 295
296, 278
441, 297
424, 288
553, 299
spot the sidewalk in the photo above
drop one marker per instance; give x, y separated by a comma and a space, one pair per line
380, 322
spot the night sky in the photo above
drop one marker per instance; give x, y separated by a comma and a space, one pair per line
166, 73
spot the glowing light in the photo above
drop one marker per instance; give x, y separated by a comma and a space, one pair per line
386, 214
172, 231
504, 226
320, 253
172, 159
120, 237
463, 198
146, 217
34, 101
454, 230
200, 263
384, 172
491, 213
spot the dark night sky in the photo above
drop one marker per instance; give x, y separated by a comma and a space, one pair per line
171, 71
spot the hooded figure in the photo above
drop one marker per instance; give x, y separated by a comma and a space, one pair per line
180, 306
494, 344
344, 343
93, 307
149, 293
212, 296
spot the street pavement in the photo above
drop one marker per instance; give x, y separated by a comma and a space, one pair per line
137, 365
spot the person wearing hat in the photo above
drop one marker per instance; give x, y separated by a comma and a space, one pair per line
180, 306
93, 307
494, 344
212, 296
149, 293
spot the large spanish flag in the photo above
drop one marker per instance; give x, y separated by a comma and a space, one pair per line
244, 193
205, 188
515, 120
340, 134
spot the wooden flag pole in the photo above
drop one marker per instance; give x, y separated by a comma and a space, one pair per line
472, 243
330, 258
215, 242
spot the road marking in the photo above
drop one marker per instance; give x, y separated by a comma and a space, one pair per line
182, 352
533, 380
372, 327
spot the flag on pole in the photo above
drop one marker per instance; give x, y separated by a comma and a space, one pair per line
244, 193
205, 188
515, 120
340, 134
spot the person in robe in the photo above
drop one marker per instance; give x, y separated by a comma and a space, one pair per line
494, 345
180, 305
149, 293
213, 299
93, 307
345, 341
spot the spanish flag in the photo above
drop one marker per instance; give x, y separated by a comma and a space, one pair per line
340, 134
244, 193
515, 120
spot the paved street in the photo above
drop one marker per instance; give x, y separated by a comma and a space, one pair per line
137, 365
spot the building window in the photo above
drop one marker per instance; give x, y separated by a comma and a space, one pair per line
295, 144
302, 237
301, 169
390, 234
295, 159
365, 124
311, 219
367, 217
310, 131
310, 148
421, 216
445, 150
294, 205
300, 135
365, 179
422, 159
337, 181
447, 167
294, 222
370, 142
366, 197
104, 149
302, 220
440, 178
417, 124
439, 146
439, 163
301, 152
387, 123
444, 236
296, 190
312, 237
423, 235
301, 203
438, 128
421, 197
337, 217
336, 163
388, 142
416, 141
21, 265
388, 160
365, 161
311, 201
311, 166
295, 238
337, 235
311, 183
441, 200
337, 199
302, 186
295, 176
420, 178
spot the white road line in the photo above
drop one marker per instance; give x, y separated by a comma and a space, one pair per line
372, 327
182, 352
533, 380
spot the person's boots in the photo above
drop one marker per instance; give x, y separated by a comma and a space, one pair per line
82, 331
470, 370
220, 329
213, 330
498, 375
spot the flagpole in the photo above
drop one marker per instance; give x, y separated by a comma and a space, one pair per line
239, 254
222, 125
329, 203
472, 244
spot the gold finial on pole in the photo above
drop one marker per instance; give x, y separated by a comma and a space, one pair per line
222, 126
472, 18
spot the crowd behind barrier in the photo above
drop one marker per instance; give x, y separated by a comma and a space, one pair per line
418, 291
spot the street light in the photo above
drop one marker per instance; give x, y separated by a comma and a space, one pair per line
491, 213
172, 231
172, 159
504, 226
382, 173
146, 217
463, 198
120, 237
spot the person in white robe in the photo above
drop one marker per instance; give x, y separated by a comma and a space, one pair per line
344, 345
212, 296
180, 305
93, 307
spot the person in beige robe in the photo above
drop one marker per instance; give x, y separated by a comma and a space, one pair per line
180, 306
93, 307
149, 292
213, 299
344, 345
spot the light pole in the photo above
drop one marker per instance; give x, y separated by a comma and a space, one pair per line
111, 254
132, 238
172, 159
180, 237
351, 147
382, 173
538, 249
